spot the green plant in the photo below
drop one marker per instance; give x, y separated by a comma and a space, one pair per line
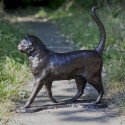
13, 68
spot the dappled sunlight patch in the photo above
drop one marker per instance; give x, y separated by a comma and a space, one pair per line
41, 13
53, 15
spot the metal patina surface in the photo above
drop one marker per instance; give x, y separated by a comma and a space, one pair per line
47, 66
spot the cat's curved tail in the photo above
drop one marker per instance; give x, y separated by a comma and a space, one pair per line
100, 47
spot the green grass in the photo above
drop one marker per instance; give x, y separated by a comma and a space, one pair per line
78, 25
13, 68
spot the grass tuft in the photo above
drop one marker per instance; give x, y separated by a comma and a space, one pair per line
13, 68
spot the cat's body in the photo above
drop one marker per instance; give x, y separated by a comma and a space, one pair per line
47, 66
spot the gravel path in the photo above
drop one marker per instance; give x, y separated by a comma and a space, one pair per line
62, 90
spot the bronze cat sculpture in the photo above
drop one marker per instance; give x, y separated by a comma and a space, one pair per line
47, 66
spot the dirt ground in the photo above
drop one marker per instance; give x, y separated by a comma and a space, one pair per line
62, 90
